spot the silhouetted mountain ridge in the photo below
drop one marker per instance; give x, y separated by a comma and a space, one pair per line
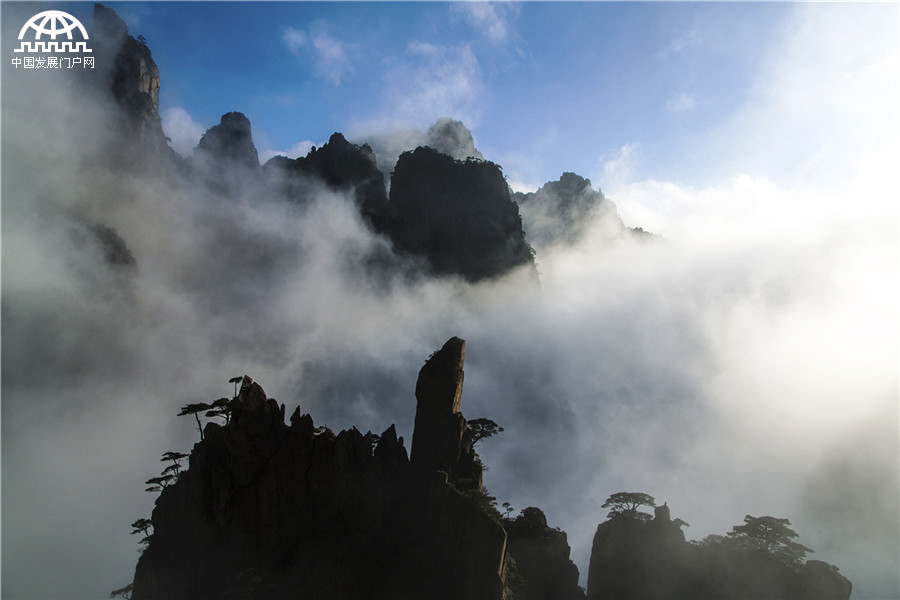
269, 510
446, 205
635, 559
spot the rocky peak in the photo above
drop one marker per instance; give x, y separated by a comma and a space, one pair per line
441, 439
230, 143
270, 510
541, 568
635, 558
456, 214
560, 211
440, 382
662, 513
342, 166
126, 68
451, 137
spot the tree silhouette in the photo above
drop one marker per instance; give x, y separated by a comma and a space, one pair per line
482, 429
772, 536
508, 508
195, 409
235, 381
221, 408
176, 458
157, 484
142, 526
626, 504
124, 592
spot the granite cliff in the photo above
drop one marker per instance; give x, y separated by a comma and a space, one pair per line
447, 208
274, 510
561, 212
128, 73
457, 214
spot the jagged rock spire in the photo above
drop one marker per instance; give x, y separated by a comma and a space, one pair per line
441, 439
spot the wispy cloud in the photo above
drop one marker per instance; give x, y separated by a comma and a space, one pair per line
491, 18
295, 151
618, 169
682, 103
427, 82
331, 56
182, 129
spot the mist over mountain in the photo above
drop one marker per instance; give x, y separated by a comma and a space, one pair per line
136, 281
447, 136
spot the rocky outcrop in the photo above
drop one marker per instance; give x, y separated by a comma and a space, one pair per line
441, 440
457, 214
449, 136
560, 211
340, 165
115, 251
126, 68
229, 144
634, 559
818, 579
274, 510
540, 567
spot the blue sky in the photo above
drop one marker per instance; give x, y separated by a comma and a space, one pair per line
545, 87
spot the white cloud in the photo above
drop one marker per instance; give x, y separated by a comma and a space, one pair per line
331, 57
618, 169
429, 82
828, 92
295, 151
490, 18
182, 129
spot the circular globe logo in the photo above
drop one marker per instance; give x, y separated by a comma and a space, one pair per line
53, 23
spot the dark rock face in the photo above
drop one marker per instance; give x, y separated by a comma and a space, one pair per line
115, 251
230, 143
342, 166
442, 442
269, 510
821, 580
631, 559
126, 68
543, 570
457, 214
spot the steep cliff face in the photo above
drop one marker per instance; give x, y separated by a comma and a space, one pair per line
126, 68
441, 440
540, 567
632, 559
457, 214
270, 510
341, 166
